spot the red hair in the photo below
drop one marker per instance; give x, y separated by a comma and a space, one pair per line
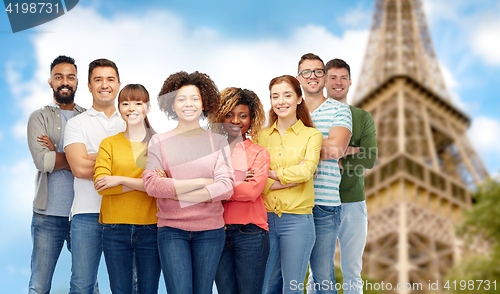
302, 112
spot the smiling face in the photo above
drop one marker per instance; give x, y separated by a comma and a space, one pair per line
188, 105
133, 112
237, 121
338, 83
313, 84
63, 82
284, 100
104, 85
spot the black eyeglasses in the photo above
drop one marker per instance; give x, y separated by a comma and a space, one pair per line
307, 73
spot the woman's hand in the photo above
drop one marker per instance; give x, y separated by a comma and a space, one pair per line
272, 174
45, 141
249, 175
161, 173
106, 182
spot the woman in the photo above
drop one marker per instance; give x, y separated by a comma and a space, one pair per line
294, 146
243, 261
198, 169
128, 213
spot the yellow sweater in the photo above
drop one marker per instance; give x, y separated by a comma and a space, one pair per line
118, 156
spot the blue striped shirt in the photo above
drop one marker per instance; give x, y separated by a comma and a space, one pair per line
327, 177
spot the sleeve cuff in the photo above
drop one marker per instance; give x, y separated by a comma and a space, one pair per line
49, 161
269, 183
279, 174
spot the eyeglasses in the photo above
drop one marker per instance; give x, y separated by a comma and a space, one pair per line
307, 73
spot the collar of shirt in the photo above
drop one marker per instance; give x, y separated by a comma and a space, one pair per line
91, 111
296, 128
53, 104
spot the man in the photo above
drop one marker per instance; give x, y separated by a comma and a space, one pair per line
361, 154
81, 142
333, 119
54, 182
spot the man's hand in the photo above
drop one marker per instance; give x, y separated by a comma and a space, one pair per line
351, 150
45, 141
92, 156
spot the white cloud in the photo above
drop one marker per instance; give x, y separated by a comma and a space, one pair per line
483, 135
436, 10
148, 49
357, 18
18, 184
485, 40
453, 88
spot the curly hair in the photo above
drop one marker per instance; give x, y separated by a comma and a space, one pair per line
208, 90
232, 97
302, 112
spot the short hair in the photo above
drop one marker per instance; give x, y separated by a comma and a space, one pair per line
102, 62
62, 59
209, 93
309, 56
338, 63
232, 97
302, 112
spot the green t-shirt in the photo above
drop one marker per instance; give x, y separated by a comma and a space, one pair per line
352, 185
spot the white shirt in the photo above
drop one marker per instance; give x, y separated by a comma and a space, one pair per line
90, 128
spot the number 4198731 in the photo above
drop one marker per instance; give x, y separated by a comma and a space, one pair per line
470, 285
32, 8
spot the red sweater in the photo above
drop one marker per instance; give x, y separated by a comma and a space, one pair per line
247, 206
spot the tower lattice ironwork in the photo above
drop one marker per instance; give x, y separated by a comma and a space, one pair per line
426, 166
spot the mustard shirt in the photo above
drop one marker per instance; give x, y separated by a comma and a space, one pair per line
118, 156
287, 153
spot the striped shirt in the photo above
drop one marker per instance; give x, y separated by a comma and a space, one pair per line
327, 177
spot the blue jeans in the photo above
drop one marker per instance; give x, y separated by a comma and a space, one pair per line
327, 222
189, 259
122, 243
352, 240
291, 238
86, 250
243, 261
48, 234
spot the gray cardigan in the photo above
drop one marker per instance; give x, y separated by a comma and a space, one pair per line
46, 120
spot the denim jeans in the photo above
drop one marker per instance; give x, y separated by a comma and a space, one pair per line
291, 238
48, 234
327, 222
189, 259
243, 261
86, 250
122, 243
352, 240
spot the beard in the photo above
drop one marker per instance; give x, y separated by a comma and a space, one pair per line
66, 99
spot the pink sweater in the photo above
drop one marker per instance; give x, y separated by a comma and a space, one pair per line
204, 156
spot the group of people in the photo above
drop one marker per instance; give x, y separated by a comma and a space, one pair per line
244, 205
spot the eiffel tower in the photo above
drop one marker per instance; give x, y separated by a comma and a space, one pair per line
426, 166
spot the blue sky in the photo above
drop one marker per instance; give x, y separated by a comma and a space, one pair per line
238, 43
